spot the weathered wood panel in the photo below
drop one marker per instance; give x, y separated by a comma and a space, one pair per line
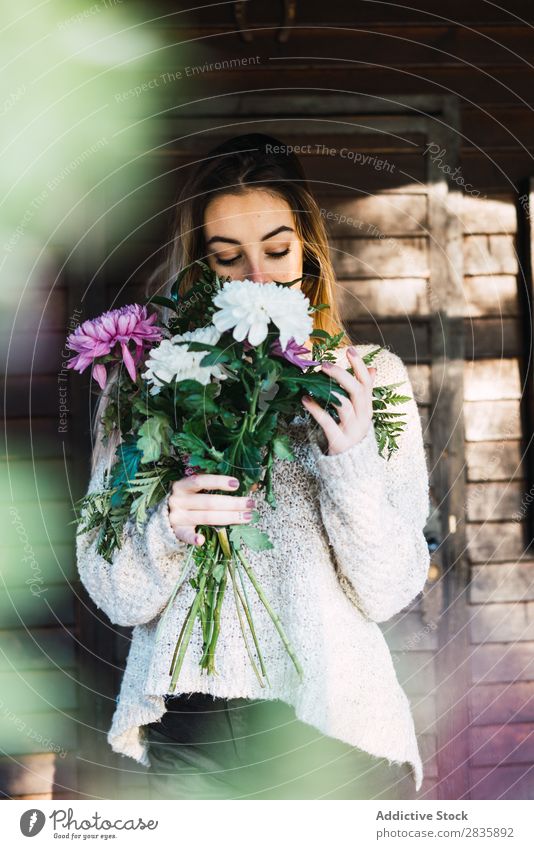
491, 295
502, 744
494, 704
502, 582
492, 380
495, 541
502, 662
502, 623
486, 420
496, 460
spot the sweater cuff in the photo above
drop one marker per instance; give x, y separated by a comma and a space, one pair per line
161, 528
339, 471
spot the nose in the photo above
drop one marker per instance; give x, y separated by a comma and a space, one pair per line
255, 274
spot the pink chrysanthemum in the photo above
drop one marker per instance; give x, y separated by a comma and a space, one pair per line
294, 353
97, 337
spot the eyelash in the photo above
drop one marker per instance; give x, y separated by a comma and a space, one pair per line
235, 259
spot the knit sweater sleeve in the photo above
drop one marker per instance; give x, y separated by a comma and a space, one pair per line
136, 586
374, 510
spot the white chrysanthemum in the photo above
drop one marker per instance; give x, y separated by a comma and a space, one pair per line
169, 360
248, 307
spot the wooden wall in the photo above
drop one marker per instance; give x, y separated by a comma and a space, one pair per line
477, 54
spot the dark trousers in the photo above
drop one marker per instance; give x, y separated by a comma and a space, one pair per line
206, 748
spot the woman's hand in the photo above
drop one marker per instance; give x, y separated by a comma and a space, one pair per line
189, 507
355, 412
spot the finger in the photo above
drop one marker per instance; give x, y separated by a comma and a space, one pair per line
361, 372
345, 409
196, 483
349, 382
322, 418
187, 533
212, 517
201, 501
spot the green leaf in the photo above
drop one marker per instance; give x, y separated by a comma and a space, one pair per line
154, 438
282, 447
218, 571
250, 536
161, 301
124, 469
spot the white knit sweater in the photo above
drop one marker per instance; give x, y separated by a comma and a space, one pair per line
349, 551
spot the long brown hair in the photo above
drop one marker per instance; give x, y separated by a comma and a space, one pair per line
242, 164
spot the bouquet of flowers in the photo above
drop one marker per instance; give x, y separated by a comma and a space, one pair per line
212, 389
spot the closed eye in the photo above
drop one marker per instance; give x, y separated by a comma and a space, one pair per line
235, 259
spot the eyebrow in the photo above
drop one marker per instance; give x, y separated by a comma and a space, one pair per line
275, 232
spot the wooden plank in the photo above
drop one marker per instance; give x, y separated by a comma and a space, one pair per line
43, 479
43, 311
526, 252
415, 671
490, 254
408, 632
428, 749
498, 703
410, 347
494, 501
447, 459
483, 89
492, 171
502, 623
494, 460
490, 337
424, 713
39, 732
46, 564
481, 216
20, 607
31, 354
495, 542
492, 380
22, 439
419, 375
502, 662
486, 420
40, 648
42, 390
503, 782
48, 521
502, 582
28, 774
314, 12
372, 258
38, 691
502, 744
386, 214
450, 45
491, 295
382, 298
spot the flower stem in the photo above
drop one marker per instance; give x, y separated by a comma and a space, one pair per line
179, 583
246, 607
242, 626
216, 623
190, 621
272, 614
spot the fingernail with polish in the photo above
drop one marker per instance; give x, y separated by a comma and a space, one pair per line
352, 350
250, 502
233, 482
327, 365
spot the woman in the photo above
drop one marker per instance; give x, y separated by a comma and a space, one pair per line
349, 549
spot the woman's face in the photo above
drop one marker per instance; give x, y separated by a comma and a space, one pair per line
252, 235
